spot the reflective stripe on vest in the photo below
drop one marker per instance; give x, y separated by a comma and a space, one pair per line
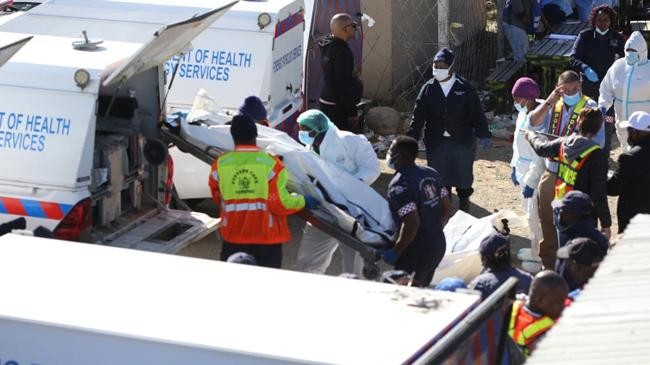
523, 337
245, 207
556, 118
567, 172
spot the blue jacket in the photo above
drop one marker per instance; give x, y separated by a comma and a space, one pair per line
460, 113
490, 280
598, 52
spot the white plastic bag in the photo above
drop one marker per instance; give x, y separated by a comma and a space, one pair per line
463, 234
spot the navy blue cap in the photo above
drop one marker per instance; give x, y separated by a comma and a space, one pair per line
254, 108
242, 258
243, 128
584, 251
451, 284
444, 55
576, 201
494, 245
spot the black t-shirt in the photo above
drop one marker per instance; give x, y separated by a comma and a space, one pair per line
419, 188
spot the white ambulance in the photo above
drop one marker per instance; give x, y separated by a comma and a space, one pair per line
256, 48
76, 304
78, 138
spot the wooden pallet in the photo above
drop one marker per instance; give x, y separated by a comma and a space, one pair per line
642, 26
552, 55
500, 81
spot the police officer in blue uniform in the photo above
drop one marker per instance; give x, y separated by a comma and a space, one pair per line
449, 110
420, 203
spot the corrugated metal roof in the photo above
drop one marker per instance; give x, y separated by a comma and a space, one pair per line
609, 323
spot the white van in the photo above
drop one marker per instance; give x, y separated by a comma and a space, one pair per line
78, 132
69, 305
256, 48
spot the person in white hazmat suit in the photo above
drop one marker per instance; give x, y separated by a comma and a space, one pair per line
353, 154
627, 85
527, 167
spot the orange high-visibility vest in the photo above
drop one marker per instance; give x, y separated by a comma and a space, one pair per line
567, 172
250, 187
525, 328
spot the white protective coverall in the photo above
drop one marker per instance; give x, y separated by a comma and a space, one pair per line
354, 154
529, 168
627, 86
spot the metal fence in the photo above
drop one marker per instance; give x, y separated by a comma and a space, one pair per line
413, 39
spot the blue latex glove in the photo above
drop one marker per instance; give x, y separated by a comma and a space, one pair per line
485, 143
513, 176
603, 111
528, 192
390, 256
590, 74
311, 202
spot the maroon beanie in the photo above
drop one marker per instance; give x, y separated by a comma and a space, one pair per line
525, 87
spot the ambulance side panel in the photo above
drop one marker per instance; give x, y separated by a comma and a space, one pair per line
230, 65
46, 136
286, 73
46, 144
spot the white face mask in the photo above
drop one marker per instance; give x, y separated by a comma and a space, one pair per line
440, 73
390, 161
602, 32
521, 108
631, 57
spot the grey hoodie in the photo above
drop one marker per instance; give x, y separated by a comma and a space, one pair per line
592, 177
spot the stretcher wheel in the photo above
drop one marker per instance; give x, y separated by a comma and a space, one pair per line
370, 270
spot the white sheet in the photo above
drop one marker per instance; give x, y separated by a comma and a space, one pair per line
346, 201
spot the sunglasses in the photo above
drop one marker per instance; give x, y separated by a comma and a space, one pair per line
353, 25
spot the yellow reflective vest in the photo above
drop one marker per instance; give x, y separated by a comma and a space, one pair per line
250, 187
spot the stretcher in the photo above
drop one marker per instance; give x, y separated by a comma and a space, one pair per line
359, 233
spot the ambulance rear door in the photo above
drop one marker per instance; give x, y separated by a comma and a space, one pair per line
9, 45
286, 73
161, 229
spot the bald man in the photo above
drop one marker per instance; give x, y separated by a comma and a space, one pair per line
342, 88
532, 318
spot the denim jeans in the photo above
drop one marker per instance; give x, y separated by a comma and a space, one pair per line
518, 39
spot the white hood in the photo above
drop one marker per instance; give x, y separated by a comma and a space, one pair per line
637, 42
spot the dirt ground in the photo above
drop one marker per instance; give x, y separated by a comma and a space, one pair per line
493, 192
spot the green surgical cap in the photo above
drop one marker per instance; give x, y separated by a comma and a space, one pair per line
315, 120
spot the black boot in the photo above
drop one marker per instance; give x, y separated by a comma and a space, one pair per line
463, 197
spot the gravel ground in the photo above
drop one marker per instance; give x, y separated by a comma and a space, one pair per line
493, 191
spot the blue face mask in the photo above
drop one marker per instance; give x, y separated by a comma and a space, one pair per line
521, 108
631, 57
571, 100
305, 138
602, 32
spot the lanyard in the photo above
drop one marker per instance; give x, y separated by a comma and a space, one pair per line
556, 121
